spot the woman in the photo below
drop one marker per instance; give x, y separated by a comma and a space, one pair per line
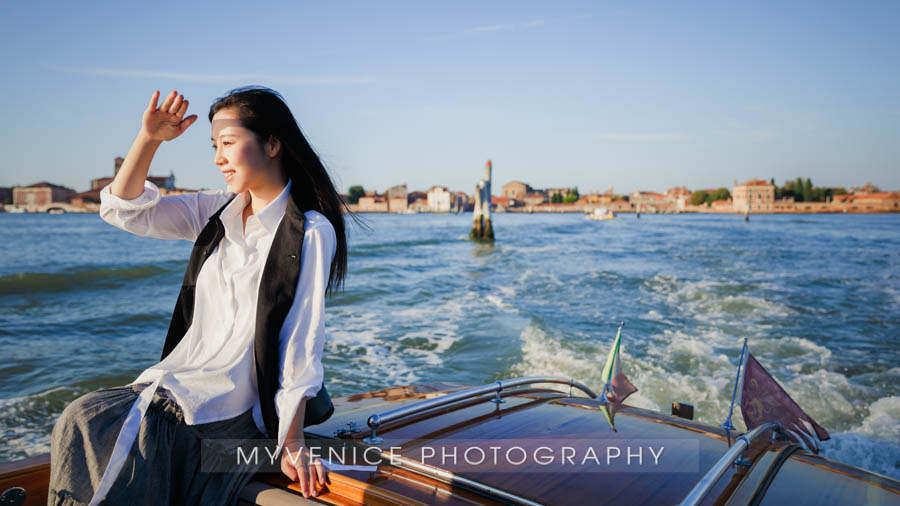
242, 358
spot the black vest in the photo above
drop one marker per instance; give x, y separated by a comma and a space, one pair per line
276, 294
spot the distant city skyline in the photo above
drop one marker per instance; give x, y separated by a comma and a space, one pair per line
497, 189
635, 96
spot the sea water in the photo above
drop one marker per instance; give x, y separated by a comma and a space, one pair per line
84, 305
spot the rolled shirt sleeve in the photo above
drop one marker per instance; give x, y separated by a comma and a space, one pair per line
152, 215
302, 336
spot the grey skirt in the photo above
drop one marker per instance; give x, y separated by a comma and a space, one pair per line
164, 465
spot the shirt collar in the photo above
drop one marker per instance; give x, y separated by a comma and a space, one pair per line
269, 216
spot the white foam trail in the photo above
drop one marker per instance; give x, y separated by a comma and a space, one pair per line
883, 421
359, 338
691, 369
712, 301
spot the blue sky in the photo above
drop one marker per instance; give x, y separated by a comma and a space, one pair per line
634, 95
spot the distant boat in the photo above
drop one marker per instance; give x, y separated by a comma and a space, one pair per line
601, 214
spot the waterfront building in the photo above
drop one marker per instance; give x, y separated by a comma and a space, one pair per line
811, 207
535, 198
176, 191
397, 198
784, 205
680, 196
501, 204
438, 199
649, 202
166, 183
41, 194
867, 188
460, 201
646, 198
418, 202
516, 190
722, 206
880, 202
89, 200
373, 204
755, 196
6, 195
550, 207
595, 198
621, 206
592, 201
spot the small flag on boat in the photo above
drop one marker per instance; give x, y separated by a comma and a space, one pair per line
616, 386
763, 400
610, 411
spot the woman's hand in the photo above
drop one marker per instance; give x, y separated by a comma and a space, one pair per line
297, 464
165, 122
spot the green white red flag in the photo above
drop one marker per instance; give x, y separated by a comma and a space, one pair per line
616, 386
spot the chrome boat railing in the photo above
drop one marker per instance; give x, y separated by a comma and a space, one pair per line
450, 478
732, 456
378, 420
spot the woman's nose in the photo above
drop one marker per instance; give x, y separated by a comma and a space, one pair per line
219, 159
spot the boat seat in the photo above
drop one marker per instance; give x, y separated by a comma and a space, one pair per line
265, 494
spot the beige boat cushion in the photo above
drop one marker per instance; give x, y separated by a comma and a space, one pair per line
264, 494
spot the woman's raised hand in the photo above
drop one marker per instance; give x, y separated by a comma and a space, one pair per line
167, 121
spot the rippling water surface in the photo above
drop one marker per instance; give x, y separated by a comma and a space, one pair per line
84, 305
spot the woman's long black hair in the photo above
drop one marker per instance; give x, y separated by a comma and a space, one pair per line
264, 112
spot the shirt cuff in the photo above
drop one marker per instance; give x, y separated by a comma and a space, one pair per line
287, 400
148, 199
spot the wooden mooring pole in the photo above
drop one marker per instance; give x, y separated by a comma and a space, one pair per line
482, 229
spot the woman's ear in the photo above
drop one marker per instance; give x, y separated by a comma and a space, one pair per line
273, 146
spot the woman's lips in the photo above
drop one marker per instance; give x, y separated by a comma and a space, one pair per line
228, 175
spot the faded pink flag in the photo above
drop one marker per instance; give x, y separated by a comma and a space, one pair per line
619, 387
763, 400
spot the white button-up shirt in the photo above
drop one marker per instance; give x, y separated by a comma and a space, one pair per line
211, 373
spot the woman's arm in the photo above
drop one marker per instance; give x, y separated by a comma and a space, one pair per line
296, 463
158, 124
135, 205
152, 215
302, 340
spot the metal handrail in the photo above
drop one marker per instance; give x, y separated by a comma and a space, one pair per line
377, 420
741, 443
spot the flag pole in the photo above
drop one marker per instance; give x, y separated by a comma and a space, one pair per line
727, 425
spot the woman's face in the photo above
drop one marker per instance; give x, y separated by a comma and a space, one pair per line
243, 161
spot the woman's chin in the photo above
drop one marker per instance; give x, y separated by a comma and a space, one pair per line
234, 188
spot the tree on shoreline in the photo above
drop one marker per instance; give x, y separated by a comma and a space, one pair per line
698, 197
720, 194
804, 191
701, 197
354, 193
